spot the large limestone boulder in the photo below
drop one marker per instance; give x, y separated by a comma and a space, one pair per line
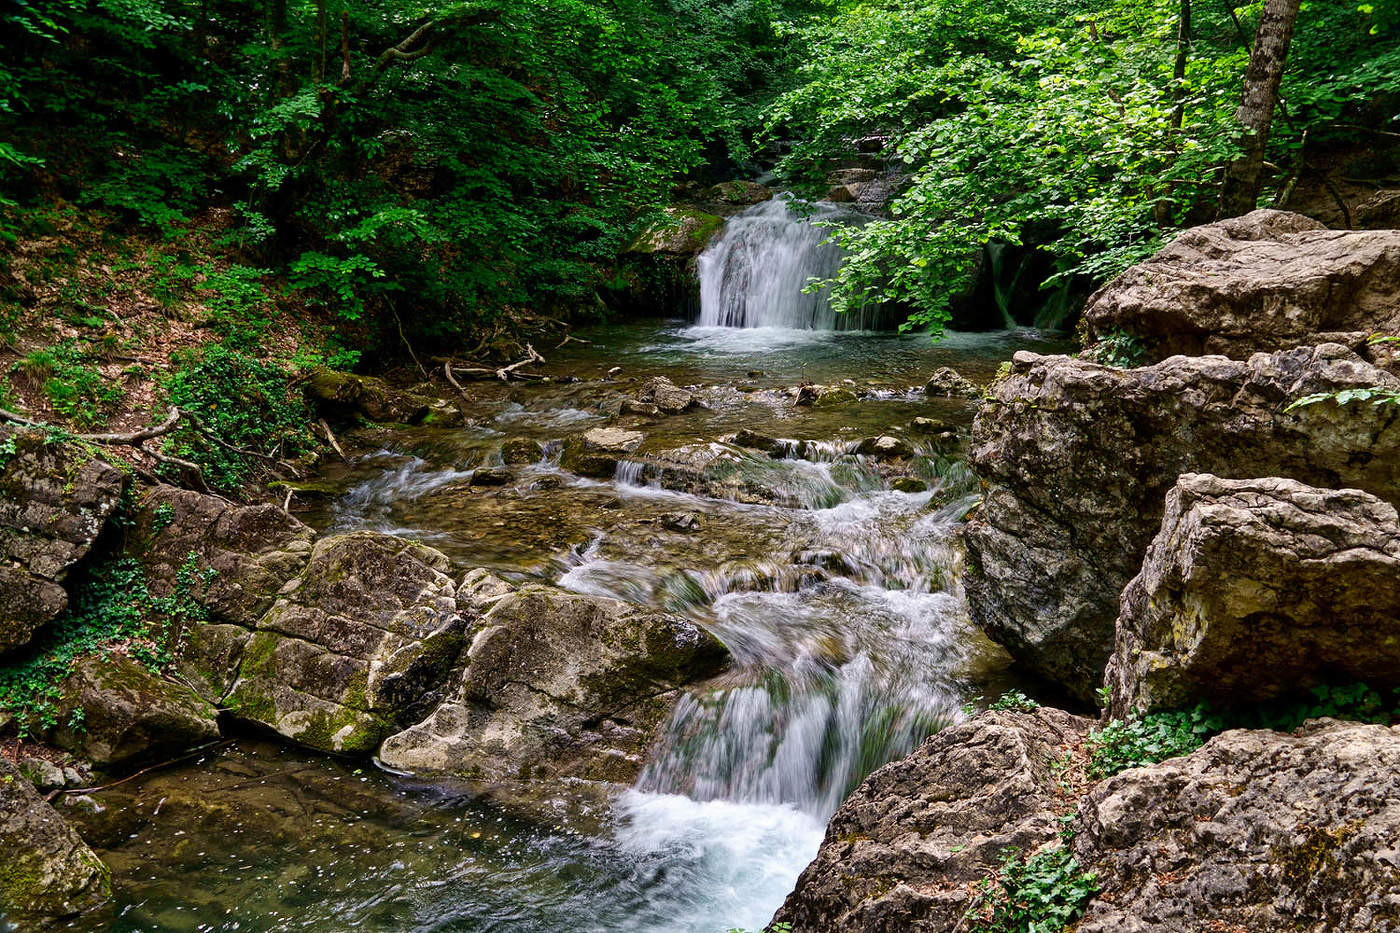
55, 499
348, 396
252, 550
46, 872
905, 852
355, 648
558, 685
1255, 588
116, 712
1077, 459
1254, 831
1266, 281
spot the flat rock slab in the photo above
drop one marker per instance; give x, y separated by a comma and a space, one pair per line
1255, 588
1266, 281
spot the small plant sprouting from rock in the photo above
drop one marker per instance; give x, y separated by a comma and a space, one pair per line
1015, 701
113, 610
1152, 738
780, 927
1043, 893
1376, 395
1118, 348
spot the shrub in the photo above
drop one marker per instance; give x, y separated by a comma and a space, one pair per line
1123, 744
1044, 893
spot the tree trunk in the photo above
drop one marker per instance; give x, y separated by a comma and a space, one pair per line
1243, 176
1183, 53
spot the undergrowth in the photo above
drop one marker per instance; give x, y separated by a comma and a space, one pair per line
1041, 893
113, 609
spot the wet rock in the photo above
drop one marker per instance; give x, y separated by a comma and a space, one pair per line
684, 231
558, 685
252, 550
1266, 281
521, 450
906, 850
490, 476
481, 589
687, 522
823, 396
738, 193
884, 448
47, 872
1254, 831
115, 713
1078, 458
1255, 588
597, 452
755, 441
355, 648
909, 484
668, 398
631, 406
42, 773
55, 499
346, 395
947, 382
851, 176
930, 426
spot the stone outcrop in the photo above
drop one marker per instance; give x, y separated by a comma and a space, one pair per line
115, 712
1254, 831
55, 499
46, 872
1077, 459
1265, 281
1255, 588
907, 848
947, 382
557, 685
356, 647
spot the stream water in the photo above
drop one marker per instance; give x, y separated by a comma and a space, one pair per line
838, 597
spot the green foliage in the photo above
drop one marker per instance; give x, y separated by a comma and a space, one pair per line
1059, 125
75, 389
1118, 348
250, 405
1015, 701
780, 927
1120, 744
1044, 893
112, 609
1376, 395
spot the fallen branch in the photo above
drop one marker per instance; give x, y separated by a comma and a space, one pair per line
504, 372
570, 338
134, 438
447, 371
335, 445
54, 795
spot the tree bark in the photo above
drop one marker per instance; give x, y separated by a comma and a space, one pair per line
1244, 176
1183, 53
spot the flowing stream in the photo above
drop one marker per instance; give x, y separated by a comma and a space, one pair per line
838, 596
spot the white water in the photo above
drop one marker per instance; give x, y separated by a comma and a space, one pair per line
757, 272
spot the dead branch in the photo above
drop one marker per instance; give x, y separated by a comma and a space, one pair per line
409, 345
335, 445
447, 371
570, 338
504, 373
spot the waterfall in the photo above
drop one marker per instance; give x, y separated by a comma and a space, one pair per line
756, 272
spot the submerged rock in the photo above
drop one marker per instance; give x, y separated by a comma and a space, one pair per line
1078, 458
1266, 281
521, 450
46, 873
1254, 831
597, 452
55, 499
906, 850
558, 685
1255, 588
116, 712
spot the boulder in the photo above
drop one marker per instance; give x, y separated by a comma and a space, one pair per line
884, 447
55, 499
117, 713
1266, 281
738, 193
1254, 831
947, 382
252, 550
358, 646
823, 396
348, 396
47, 872
906, 850
558, 685
521, 450
668, 398
598, 451
490, 476
1077, 459
683, 231
1255, 588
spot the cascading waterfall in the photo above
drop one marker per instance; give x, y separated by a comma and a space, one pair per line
755, 274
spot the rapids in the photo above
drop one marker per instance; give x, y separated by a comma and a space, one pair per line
838, 597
